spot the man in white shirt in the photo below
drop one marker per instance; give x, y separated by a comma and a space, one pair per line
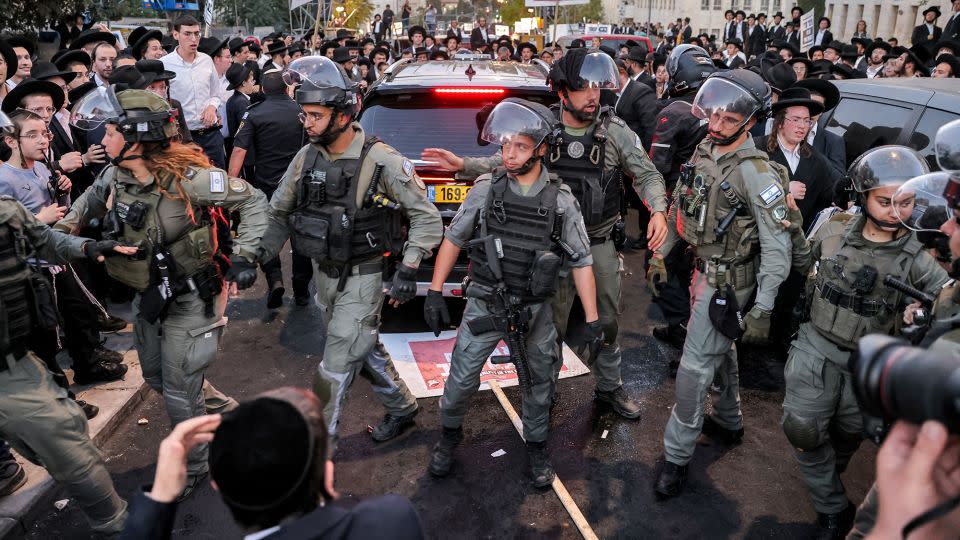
197, 88
103, 56
24, 49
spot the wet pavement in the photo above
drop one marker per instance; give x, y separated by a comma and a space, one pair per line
753, 490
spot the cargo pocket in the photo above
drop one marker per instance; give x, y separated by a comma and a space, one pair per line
203, 346
310, 236
803, 375
822, 313
367, 334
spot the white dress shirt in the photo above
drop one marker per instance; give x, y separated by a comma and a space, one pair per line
196, 86
873, 71
222, 109
99, 81
793, 156
739, 31
813, 133
63, 116
819, 39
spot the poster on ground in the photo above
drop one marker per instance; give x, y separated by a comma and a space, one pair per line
423, 362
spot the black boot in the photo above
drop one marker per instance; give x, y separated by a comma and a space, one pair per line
713, 429
100, 372
103, 354
109, 323
275, 294
623, 404
540, 470
836, 526
674, 366
391, 426
674, 335
89, 410
12, 477
670, 480
441, 459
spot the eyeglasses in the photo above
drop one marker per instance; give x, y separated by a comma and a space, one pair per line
315, 117
801, 121
34, 136
41, 110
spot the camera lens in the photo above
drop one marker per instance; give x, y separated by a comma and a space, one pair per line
895, 381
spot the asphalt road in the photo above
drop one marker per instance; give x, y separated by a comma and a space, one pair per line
753, 490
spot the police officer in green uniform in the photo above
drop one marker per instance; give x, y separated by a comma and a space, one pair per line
728, 205
37, 417
594, 151
163, 197
851, 256
519, 223
336, 202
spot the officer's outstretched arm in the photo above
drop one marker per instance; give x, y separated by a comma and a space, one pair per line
283, 201
443, 265
426, 228
467, 168
586, 286
91, 204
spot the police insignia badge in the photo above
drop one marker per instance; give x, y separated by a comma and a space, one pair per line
408, 167
216, 182
190, 173
419, 181
575, 149
780, 212
771, 194
237, 185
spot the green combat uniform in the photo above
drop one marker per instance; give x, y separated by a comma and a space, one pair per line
753, 254
523, 221
848, 300
324, 205
176, 347
36, 416
592, 162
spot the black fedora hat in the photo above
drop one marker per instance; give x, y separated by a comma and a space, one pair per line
343, 33
829, 91
235, 44
814, 49
138, 47
527, 45
92, 35
778, 14
236, 75
43, 71
835, 45
277, 47
736, 42
951, 61
918, 55
779, 76
80, 91
9, 58
156, 67
210, 45
894, 52
637, 53
877, 44
32, 86
439, 55
797, 97
342, 54
932, 9
25, 42
951, 44
847, 72
790, 47
136, 34
130, 78
820, 67
65, 57
849, 51
864, 42
801, 60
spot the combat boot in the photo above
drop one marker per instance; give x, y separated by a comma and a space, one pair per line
391, 426
673, 335
670, 480
540, 470
275, 294
100, 372
103, 354
441, 459
12, 477
836, 526
623, 404
713, 429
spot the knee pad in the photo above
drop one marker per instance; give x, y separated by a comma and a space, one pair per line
803, 433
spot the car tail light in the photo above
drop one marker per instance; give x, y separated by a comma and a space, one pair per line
469, 91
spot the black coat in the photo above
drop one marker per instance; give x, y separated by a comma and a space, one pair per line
458, 34
677, 134
476, 38
952, 29
814, 172
832, 148
272, 129
777, 33
794, 38
646, 79
62, 144
638, 108
736, 62
922, 36
827, 38
757, 42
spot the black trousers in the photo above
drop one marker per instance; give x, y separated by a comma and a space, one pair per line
302, 266
79, 323
674, 299
212, 144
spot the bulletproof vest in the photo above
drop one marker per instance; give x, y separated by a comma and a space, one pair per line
580, 161
945, 325
326, 224
524, 227
16, 300
139, 225
701, 204
849, 299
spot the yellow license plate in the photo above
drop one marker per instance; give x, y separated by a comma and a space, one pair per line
448, 194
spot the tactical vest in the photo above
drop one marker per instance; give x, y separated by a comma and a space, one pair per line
945, 326
580, 161
140, 226
16, 300
525, 227
849, 299
326, 224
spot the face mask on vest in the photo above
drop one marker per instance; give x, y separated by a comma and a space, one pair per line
330, 133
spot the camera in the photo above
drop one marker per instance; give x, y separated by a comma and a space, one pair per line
895, 381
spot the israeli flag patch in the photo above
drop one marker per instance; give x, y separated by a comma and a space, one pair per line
216, 182
771, 194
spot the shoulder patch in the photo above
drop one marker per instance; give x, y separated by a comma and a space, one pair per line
237, 185
637, 142
760, 165
770, 195
217, 182
408, 167
190, 173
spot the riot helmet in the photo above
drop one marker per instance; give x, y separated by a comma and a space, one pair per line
514, 117
139, 115
947, 146
930, 204
738, 91
889, 165
688, 67
321, 81
584, 68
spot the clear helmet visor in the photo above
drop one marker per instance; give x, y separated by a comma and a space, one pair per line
885, 166
599, 71
6, 125
99, 106
921, 205
947, 146
318, 70
508, 122
722, 101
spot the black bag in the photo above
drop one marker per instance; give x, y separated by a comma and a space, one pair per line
341, 235
544, 274
310, 236
45, 313
725, 313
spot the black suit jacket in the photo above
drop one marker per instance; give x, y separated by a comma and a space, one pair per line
757, 42
687, 33
827, 38
952, 29
777, 33
458, 34
794, 38
646, 79
476, 38
638, 108
728, 27
61, 144
921, 36
813, 172
736, 62
832, 147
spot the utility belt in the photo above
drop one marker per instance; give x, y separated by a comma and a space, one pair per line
342, 272
205, 131
739, 275
852, 301
618, 235
207, 283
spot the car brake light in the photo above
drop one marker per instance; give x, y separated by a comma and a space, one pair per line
469, 91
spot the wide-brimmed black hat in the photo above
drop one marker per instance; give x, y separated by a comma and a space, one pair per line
790, 47
950, 60
156, 67
779, 76
894, 52
168, 43
861, 40
342, 54
448, 38
384, 50
326, 46
801, 60
849, 51
43, 71
918, 54
820, 67
527, 45
210, 45
415, 29
345, 34
418, 51
140, 44
933, 9
9, 58
25, 42
296, 48
136, 34
847, 72
76, 93
236, 75
877, 44
65, 57
829, 91
439, 55
778, 14
951, 44
835, 45
277, 47
737, 42
92, 35
130, 78
814, 49
235, 44
637, 53
32, 86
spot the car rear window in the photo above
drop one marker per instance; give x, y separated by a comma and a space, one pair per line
411, 129
867, 124
922, 138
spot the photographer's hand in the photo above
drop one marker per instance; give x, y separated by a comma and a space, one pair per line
918, 468
171, 475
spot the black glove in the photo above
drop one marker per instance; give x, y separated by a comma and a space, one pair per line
594, 340
435, 311
241, 272
404, 286
104, 248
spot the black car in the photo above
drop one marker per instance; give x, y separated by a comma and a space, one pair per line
417, 105
875, 112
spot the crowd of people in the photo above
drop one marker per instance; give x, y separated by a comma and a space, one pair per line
184, 163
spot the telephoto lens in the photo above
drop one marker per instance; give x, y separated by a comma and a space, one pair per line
895, 381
